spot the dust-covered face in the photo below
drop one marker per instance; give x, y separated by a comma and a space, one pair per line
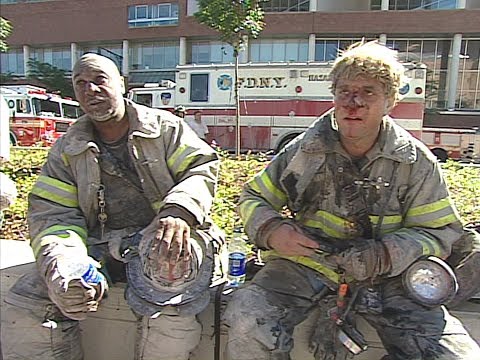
360, 105
99, 88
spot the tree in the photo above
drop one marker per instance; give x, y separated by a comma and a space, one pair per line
5, 31
54, 79
236, 21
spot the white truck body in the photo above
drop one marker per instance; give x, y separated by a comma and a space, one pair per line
278, 101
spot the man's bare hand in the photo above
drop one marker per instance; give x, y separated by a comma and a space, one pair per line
172, 238
289, 241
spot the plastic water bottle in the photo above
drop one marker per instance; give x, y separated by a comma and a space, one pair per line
237, 258
84, 268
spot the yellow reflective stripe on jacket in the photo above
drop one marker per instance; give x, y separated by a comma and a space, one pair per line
306, 261
264, 185
430, 246
434, 215
182, 158
247, 208
65, 159
331, 225
390, 223
55, 190
157, 205
38, 242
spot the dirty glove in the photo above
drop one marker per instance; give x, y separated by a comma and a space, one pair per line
74, 297
364, 261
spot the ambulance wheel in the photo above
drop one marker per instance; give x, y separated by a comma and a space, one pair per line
285, 141
13, 139
441, 154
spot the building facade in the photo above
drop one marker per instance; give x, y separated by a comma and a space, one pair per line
148, 38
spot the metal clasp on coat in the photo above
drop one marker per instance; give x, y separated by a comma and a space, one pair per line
377, 183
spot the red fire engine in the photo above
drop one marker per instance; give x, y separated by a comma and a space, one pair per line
37, 117
277, 101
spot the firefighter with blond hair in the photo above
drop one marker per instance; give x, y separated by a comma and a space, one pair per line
366, 200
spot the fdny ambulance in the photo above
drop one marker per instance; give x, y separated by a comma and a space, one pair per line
36, 116
278, 101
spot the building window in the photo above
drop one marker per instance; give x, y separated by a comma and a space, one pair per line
8, 1
153, 15
468, 86
328, 49
270, 50
158, 55
376, 5
58, 57
417, 4
211, 52
285, 5
113, 52
11, 62
435, 55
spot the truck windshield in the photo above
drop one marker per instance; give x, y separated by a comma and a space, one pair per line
47, 107
70, 111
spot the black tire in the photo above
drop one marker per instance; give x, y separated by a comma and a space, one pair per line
441, 154
285, 141
13, 139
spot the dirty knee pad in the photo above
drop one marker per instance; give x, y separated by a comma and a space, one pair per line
253, 321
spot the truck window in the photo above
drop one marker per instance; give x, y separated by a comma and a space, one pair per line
47, 107
199, 87
61, 126
143, 99
70, 111
23, 106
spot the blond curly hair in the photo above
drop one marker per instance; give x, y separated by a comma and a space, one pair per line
373, 61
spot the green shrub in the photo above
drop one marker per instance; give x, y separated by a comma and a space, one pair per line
25, 165
464, 185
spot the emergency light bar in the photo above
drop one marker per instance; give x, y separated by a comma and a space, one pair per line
163, 83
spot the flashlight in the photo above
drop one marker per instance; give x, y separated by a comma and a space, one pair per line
430, 281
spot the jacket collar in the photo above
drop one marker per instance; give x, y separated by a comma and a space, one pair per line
144, 122
393, 143
322, 138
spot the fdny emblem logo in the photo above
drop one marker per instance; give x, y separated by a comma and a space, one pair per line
403, 90
166, 97
224, 82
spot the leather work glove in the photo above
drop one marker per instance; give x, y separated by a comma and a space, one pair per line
365, 261
74, 297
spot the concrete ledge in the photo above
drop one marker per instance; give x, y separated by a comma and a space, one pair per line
114, 320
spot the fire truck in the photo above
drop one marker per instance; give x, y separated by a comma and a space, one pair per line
453, 135
36, 116
278, 101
